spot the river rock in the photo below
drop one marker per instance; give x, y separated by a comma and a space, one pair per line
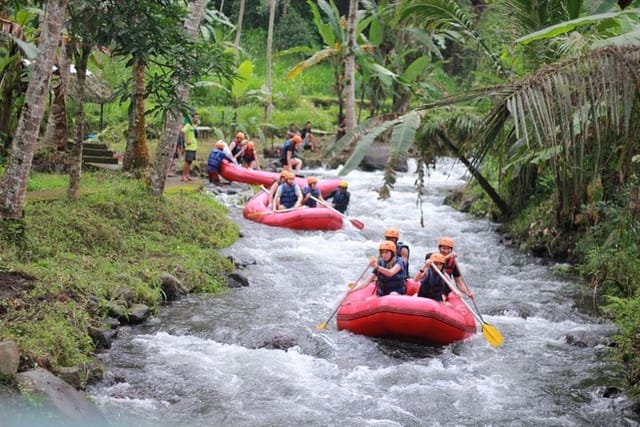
138, 313
172, 288
236, 280
58, 402
9, 358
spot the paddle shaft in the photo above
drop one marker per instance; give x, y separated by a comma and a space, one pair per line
356, 223
324, 325
456, 291
491, 333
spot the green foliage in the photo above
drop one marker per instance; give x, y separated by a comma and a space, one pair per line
82, 254
627, 314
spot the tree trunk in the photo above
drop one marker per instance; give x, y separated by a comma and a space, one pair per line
13, 184
486, 186
172, 121
75, 157
57, 132
236, 44
9, 94
269, 65
350, 67
136, 155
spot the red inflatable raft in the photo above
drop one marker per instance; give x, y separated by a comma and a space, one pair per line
320, 218
405, 317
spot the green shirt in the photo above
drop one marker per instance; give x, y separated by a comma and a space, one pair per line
190, 141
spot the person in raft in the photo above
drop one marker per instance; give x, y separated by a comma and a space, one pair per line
388, 271
274, 187
288, 195
250, 156
311, 190
432, 285
393, 234
445, 247
216, 156
340, 197
237, 147
289, 157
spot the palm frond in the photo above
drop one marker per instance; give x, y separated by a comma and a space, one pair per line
317, 57
364, 144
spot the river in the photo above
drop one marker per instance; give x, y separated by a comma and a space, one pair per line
253, 356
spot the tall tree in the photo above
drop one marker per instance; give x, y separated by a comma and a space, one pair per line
173, 118
13, 184
57, 131
236, 44
269, 64
350, 67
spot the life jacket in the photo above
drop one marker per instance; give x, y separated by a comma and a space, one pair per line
288, 196
432, 286
315, 193
400, 246
288, 146
395, 283
249, 154
215, 160
340, 200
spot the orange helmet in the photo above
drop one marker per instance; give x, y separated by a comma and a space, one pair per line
388, 245
250, 144
312, 180
283, 174
392, 232
296, 139
343, 184
437, 257
220, 145
239, 135
446, 241
288, 175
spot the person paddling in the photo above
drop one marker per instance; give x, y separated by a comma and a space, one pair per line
340, 197
311, 190
388, 271
432, 284
393, 234
451, 268
288, 195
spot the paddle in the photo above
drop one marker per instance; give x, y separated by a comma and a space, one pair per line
491, 333
271, 212
356, 223
322, 326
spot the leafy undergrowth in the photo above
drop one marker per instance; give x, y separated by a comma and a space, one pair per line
63, 263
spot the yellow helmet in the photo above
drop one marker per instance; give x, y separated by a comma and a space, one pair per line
392, 232
437, 257
446, 241
388, 245
343, 184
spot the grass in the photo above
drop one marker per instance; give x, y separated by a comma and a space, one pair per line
74, 258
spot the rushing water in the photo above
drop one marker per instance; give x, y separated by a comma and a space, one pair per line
253, 356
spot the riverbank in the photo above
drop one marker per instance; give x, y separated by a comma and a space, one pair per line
72, 272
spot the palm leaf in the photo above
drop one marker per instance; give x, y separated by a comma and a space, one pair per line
403, 135
351, 136
363, 146
313, 60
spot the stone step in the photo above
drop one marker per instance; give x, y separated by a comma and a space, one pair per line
96, 152
100, 159
94, 146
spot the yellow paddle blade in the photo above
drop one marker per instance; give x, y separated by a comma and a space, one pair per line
492, 335
321, 326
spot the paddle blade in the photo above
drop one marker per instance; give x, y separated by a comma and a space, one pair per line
493, 336
357, 224
321, 326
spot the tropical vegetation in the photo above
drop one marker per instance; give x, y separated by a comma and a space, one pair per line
538, 98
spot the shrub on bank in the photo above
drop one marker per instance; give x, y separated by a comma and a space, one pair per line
76, 257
